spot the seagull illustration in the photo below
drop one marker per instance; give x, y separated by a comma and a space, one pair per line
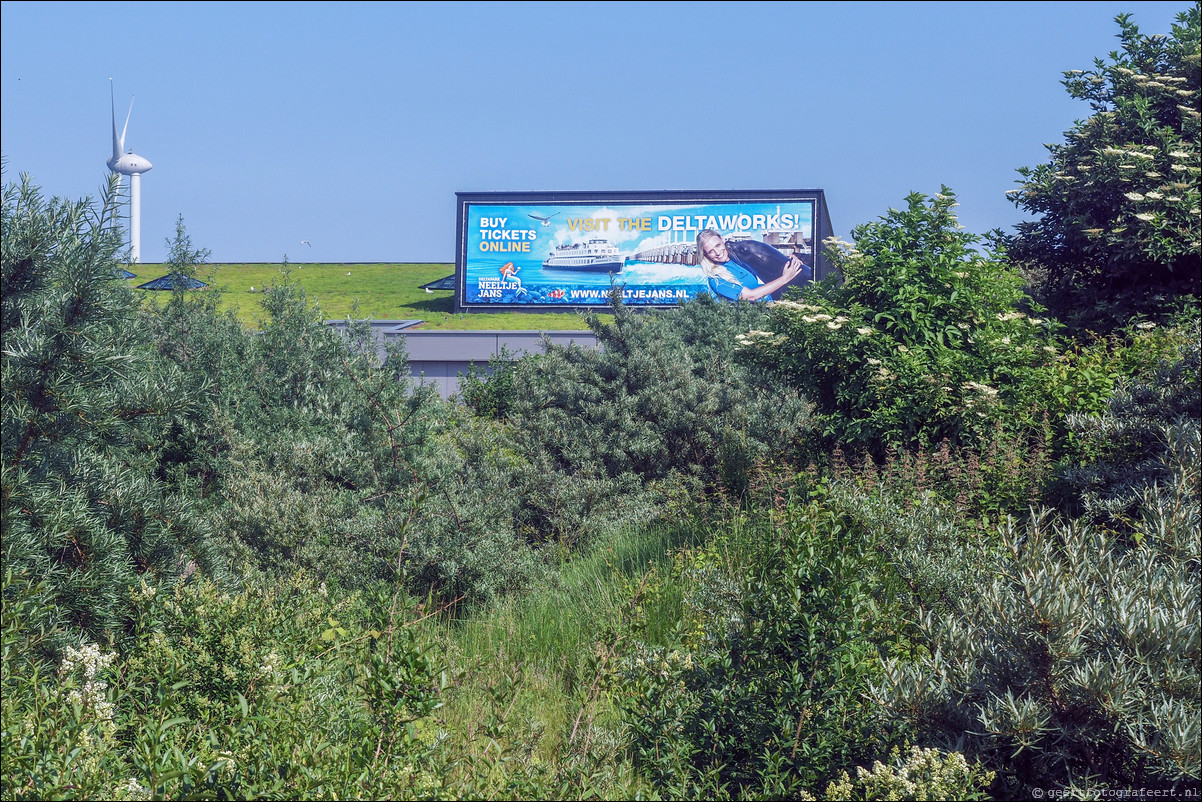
546, 221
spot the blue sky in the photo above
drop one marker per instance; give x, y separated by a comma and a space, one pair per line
353, 125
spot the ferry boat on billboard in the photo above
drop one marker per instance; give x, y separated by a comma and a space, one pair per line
594, 256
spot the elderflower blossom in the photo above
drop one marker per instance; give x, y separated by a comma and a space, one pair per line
1147, 218
92, 696
133, 790
787, 304
864, 331
271, 664
1135, 196
756, 337
982, 389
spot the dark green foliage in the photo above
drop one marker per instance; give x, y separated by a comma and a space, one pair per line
84, 408
762, 692
1118, 203
490, 393
306, 446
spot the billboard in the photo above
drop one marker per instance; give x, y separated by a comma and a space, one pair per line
548, 251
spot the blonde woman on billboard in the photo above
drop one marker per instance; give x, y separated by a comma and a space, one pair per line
745, 270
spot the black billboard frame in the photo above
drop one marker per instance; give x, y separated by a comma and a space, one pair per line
822, 227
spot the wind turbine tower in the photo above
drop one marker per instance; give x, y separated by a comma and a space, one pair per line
132, 165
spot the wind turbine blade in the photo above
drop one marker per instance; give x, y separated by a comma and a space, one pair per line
113, 108
126, 128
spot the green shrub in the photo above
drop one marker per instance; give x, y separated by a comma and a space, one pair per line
1076, 665
281, 693
1120, 454
762, 693
1118, 227
85, 409
923, 341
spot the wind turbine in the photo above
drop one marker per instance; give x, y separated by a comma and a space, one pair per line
132, 165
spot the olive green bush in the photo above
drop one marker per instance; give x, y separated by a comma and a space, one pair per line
554, 450
661, 397
278, 693
1120, 453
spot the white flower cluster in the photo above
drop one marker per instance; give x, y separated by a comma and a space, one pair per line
271, 664
984, 394
926, 774
91, 696
132, 790
660, 662
835, 244
786, 304
983, 389
758, 338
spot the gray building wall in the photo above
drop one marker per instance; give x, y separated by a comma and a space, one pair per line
441, 357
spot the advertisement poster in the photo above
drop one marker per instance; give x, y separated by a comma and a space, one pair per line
559, 252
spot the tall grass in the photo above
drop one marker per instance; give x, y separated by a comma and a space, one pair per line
553, 651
